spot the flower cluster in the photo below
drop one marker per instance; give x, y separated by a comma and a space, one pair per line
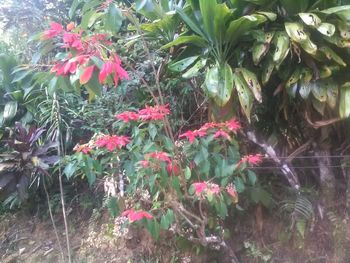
220, 130
253, 159
81, 52
204, 188
136, 215
171, 166
112, 142
149, 113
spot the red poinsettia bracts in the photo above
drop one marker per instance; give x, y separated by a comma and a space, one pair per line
112, 142
173, 169
202, 188
154, 113
221, 130
161, 156
112, 67
149, 113
136, 215
81, 50
84, 148
55, 30
255, 159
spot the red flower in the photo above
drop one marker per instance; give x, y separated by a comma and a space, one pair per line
233, 125
221, 133
55, 30
113, 66
190, 135
154, 113
173, 169
73, 40
145, 163
87, 74
84, 148
199, 188
206, 188
136, 215
127, 116
251, 159
209, 125
161, 156
231, 191
111, 142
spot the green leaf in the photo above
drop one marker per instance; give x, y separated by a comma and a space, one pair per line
218, 83
281, 43
319, 90
73, 8
195, 40
252, 177
332, 94
294, 6
152, 129
344, 105
190, 22
10, 110
296, 33
252, 82
268, 68
113, 206
301, 225
183, 64
69, 170
154, 228
326, 29
310, 19
113, 19
52, 87
331, 55
244, 94
187, 173
194, 70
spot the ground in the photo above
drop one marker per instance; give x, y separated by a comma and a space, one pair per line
27, 238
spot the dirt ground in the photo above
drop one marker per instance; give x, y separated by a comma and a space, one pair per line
29, 239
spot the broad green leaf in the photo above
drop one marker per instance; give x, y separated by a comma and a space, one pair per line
310, 19
281, 43
86, 19
194, 70
113, 19
331, 55
267, 69
253, 83
318, 105
195, 40
179, 66
294, 6
69, 170
344, 105
332, 94
296, 33
319, 90
305, 87
52, 87
190, 22
208, 12
10, 110
344, 29
187, 173
218, 83
75, 4
294, 78
326, 29
244, 94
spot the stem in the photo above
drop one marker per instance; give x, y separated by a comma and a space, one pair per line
59, 152
52, 220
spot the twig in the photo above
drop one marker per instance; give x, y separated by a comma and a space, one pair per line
52, 220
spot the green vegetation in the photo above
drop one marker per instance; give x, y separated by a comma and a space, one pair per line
198, 120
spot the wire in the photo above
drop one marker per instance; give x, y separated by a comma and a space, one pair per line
307, 157
298, 167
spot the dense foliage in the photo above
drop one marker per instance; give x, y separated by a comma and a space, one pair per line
175, 104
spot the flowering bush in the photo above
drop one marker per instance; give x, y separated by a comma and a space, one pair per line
191, 183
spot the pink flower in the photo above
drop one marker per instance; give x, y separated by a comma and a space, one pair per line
209, 125
127, 116
233, 125
221, 133
136, 215
161, 156
73, 40
213, 189
111, 142
202, 188
154, 113
251, 159
55, 30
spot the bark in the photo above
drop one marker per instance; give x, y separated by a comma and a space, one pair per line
327, 178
